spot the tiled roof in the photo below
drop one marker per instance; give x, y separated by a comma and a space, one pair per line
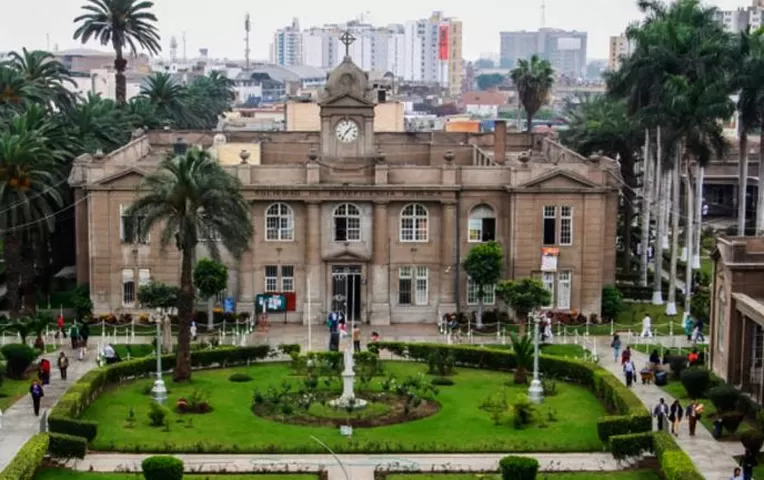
490, 97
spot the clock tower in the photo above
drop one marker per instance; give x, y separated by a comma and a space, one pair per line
347, 110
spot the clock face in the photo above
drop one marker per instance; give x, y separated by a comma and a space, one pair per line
347, 131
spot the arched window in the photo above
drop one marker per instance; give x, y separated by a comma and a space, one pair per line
721, 318
279, 223
482, 224
414, 223
347, 223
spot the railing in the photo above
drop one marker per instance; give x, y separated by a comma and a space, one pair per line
481, 158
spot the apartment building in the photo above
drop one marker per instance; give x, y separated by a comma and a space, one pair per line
565, 50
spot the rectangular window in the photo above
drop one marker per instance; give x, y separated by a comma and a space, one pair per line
564, 290
287, 278
131, 228
340, 229
547, 278
421, 286
482, 229
144, 276
271, 278
550, 225
404, 285
489, 293
353, 229
566, 225
128, 287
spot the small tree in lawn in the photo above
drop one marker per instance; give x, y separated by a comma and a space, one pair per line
612, 303
210, 278
524, 296
161, 297
483, 266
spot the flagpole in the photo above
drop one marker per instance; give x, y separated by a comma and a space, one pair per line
310, 322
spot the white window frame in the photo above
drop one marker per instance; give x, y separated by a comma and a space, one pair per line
412, 217
287, 278
564, 289
283, 216
138, 238
421, 285
566, 225
489, 293
406, 273
548, 280
475, 222
352, 217
271, 282
129, 288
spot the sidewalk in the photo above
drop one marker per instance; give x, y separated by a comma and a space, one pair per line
713, 458
19, 423
358, 466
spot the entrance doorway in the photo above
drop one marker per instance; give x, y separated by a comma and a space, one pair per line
346, 291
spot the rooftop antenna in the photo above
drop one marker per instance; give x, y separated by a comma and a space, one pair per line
173, 49
543, 13
247, 29
184, 47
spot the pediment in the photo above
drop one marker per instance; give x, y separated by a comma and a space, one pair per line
128, 178
346, 100
559, 179
346, 255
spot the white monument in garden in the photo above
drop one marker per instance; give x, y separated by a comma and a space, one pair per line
348, 398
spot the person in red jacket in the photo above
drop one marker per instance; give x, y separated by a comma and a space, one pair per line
626, 356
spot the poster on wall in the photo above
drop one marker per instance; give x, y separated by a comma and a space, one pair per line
549, 259
229, 305
443, 42
268, 302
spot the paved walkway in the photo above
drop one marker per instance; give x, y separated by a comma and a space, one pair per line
18, 423
358, 467
713, 458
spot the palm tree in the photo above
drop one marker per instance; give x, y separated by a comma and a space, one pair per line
523, 348
171, 100
30, 180
46, 76
15, 93
124, 24
533, 80
26, 327
189, 195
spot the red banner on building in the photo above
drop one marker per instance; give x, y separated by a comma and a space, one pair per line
443, 42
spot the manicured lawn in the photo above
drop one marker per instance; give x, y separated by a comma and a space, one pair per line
633, 313
62, 474
134, 351
563, 350
11, 391
624, 475
459, 426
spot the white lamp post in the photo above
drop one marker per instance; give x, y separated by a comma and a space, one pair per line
159, 392
536, 390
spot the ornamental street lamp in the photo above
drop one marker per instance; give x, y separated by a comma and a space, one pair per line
536, 390
159, 392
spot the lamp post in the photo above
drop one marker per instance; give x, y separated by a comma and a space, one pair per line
536, 390
159, 392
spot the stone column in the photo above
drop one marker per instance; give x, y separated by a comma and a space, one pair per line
247, 278
312, 263
448, 259
379, 271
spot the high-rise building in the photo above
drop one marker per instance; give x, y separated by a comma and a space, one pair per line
620, 47
434, 51
287, 45
738, 20
565, 50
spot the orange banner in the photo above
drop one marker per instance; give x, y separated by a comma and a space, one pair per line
443, 42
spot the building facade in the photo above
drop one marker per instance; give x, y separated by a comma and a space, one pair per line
620, 47
378, 223
565, 50
286, 49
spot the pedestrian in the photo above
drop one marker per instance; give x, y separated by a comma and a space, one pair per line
688, 325
374, 337
655, 360
626, 355
675, 417
44, 371
616, 346
74, 335
748, 463
60, 324
647, 324
694, 410
660, 412
84, 335
737, 474
629, 369
63, 364
356, 339
193, 330
36, 391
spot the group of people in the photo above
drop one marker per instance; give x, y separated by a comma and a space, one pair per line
671, 415
338, 328
692, 328
43, 378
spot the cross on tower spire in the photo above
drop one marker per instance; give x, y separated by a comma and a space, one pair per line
347, 39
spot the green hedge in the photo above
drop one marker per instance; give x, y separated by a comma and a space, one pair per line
631, 416
67, 446
25, 463
675, 464
63, 417
630, 445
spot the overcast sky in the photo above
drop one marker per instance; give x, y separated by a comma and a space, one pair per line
219, 25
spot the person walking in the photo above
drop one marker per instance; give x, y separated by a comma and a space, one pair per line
37, 393
626, 356
688, 325
629, 370
356, 339
84, 335
63, 364
748, 463
693, 414
74, 335
44, 371
737, 474
616, 346
60, 324
675, 417
660, 412
647, 325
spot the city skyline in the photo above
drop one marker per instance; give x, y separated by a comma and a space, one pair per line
222, 31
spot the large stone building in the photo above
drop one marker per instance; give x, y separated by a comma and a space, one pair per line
382, 220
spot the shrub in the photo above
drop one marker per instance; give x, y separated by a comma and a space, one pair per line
696, 381
18, 358
289, 349
67, 447
75, 428
442, 381
731, 421
161, 467
523, 410
239, 378
677, 363
752, 440
724, 397
24, 465
518, 468
158, 414
621, 425
675, 464
630, 445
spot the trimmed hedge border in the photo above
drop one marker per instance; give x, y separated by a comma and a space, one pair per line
25, 463
675, 464
67, 447
631, 414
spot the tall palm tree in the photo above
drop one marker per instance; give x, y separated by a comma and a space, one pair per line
30, 179
46, 76
171, 99
190, 195
123, 24
533, 79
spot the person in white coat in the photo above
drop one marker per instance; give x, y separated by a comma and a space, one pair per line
647, 325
